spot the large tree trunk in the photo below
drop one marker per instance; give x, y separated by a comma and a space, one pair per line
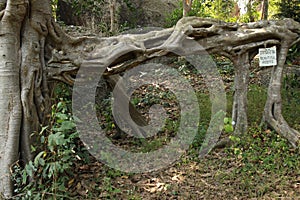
24, 101
10, 102
34, 90
239, 111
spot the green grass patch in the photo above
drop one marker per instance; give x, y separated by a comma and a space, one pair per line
264, 162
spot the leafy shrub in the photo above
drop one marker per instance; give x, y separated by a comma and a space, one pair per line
48, 174
289, 9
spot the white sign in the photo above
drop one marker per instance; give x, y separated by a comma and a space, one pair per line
267, 57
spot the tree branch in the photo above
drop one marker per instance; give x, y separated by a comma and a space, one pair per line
232, 40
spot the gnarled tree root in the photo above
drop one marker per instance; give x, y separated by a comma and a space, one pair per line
282, 127
273, 108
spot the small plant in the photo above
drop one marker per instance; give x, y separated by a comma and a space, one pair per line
228, 125
58, 148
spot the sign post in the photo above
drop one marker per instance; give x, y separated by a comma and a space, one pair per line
267, 56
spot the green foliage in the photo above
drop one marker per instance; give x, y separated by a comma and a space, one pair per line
294, 53
220, 9
224, 10
291, 99
108, 188
289, 9
198, 9
92, 6
228, 125
291, 82
257, 97
225, 66
47, 175
173, 17
262, 153
54, 7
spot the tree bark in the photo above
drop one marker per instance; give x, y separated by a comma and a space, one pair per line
273, 107
112, 11
24, 102
10, 102
239, 111
34, 89
187, 6
265, 10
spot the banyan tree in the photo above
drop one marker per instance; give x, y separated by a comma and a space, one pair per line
35, 50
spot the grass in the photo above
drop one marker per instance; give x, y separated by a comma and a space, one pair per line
257, 97
266, 162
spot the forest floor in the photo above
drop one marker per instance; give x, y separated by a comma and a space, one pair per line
259, 164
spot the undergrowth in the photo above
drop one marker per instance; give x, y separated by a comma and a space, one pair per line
264, 162
56, 151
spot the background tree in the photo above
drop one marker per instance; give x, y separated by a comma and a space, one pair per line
265, 10
187, 6
222, 9
112, 11
289, 9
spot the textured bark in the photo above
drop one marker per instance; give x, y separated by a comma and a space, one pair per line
265, 10
239, 111
240, 43
10, 104
136, 116
24, 102
112, 12
187, 6
273, 107
34, 89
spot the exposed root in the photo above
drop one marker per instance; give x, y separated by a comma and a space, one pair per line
273, 108
281, 126
1, 14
